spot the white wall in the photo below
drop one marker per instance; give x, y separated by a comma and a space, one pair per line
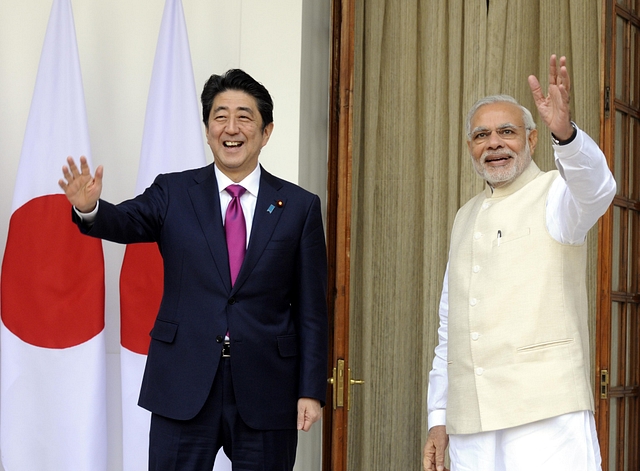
282, 43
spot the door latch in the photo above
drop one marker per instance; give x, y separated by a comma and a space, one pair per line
604, 384
337, 381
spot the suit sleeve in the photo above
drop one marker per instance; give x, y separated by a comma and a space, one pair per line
136, 220
311, 306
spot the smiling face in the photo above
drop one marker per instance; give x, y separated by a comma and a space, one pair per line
499, 145
235, 133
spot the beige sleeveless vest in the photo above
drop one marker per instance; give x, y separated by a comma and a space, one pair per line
518, 347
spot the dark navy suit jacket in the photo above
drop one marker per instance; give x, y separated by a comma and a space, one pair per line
276, 312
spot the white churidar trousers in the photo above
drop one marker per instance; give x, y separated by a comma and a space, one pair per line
564, 443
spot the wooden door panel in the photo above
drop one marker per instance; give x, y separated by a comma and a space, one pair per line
618, 319
334, 456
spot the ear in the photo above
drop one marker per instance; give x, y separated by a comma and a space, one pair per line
266, 133
533, 140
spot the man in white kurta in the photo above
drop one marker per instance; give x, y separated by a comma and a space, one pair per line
510, 386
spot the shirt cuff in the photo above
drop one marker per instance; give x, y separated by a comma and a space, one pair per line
88, 218
571, 149
437, 417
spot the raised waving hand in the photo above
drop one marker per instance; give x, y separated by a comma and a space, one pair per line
554, 107
82, 189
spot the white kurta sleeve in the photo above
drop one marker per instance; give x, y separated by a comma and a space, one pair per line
438, 379
584, 192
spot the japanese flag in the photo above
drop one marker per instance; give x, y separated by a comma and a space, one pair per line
52, 386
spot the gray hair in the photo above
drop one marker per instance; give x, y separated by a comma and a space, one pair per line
529, 123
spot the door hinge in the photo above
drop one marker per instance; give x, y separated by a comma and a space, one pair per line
604, 384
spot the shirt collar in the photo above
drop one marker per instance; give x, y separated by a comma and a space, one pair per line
251, 182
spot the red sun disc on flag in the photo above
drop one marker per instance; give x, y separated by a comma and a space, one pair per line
141, 286
52, 277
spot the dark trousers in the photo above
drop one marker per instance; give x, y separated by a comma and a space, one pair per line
192, 445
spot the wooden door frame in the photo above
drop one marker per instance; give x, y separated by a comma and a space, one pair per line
606, 292
605, 241
334, 441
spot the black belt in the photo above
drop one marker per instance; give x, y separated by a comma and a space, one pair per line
226, 349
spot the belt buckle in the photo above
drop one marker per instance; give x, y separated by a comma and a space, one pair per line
226, 350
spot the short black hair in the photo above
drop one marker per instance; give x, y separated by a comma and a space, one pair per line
236, 79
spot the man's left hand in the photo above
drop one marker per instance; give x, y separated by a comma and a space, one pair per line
554, 108
309, 411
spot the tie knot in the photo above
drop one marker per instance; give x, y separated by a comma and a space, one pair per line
235, 190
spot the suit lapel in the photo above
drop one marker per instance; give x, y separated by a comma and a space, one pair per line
269, 207
205, 198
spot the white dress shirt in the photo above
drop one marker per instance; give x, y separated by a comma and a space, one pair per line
248, 200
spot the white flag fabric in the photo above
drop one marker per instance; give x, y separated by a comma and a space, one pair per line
53, 381
172, 141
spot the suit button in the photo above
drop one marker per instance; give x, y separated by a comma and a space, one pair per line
232, 300
219, 339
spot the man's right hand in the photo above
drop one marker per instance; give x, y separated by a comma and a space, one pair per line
433, 453
82, 190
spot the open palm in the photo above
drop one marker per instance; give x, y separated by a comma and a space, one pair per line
81, 188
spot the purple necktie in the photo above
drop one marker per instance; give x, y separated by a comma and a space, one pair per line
236, 231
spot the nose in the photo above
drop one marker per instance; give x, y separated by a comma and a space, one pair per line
232, 126
495, 141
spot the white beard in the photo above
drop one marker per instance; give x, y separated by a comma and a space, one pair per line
500, 176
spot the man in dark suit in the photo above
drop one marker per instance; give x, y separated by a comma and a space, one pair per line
238, 352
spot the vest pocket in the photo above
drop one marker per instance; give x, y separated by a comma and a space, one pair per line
504, 237
543, 345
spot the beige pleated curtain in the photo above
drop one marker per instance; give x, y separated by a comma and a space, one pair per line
420, 65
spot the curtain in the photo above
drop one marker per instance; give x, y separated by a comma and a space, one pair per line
419, 66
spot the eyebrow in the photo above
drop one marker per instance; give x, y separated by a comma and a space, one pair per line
240, 108
499, 128
502, 126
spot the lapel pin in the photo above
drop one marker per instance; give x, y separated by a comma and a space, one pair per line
271, 207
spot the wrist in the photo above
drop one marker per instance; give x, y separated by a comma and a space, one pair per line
565, 137
86, 210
